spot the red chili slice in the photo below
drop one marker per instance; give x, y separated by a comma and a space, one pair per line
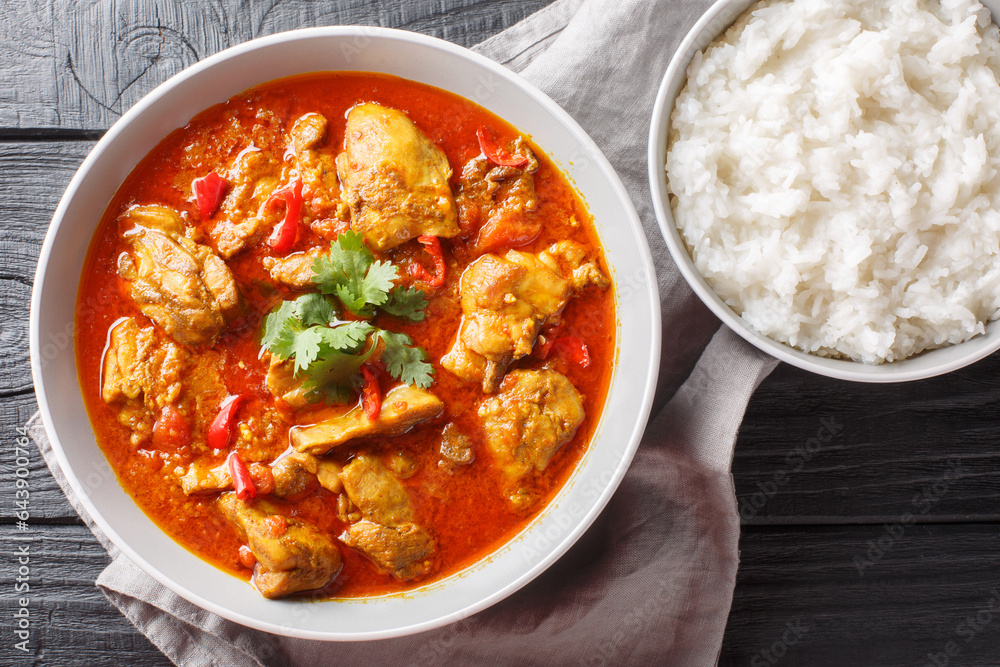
371, 393
208, 193
496, 153
433, 247
287, 230
222, 426
242, 481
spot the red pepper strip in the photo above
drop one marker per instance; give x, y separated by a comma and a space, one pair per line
222, 426
573, 349
285, 232
433, 247
371, 393
208, 193
496, 153
242, 482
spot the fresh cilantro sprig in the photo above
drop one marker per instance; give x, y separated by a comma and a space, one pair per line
362, 283
328, 352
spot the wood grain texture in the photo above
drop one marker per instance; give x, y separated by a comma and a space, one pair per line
893, 613
928, 448
72, 623
80, 65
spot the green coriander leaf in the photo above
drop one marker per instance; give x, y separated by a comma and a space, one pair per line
406, 302
349, 337
348, 259
305, 347
405, 362
335, 377
314, 308
280, 326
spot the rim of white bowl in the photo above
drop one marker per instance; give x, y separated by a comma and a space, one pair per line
713, 23
630, 439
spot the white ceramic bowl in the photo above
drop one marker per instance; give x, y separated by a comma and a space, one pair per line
928, 364
411, 56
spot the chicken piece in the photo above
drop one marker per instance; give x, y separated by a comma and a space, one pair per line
376, 491
201, 478
403, 550
403, 407
295, 472
505, 303
142, 373
499, 201
291, 474
181, 285
282, 384
294, 270
387, 533
507, 300
569, 259
243, 216
292, 555
456, 447
394, 179
317, 167
139, 364
534, 414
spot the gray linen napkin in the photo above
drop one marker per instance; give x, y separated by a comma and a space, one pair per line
652, 581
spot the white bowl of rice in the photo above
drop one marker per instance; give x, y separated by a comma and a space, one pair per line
826, 175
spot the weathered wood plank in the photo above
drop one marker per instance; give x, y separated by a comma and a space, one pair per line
80, 64
928, 448
899, 610
34, 177
70, 621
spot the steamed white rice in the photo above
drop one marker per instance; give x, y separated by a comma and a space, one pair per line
834, 172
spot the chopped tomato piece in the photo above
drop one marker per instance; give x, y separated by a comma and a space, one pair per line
242, 482
287, 230
278, 525
512, 231
208, 193
263, 478
433, 247
572, 349
496, 153
222, 426
371, 393
171, 430
246, 557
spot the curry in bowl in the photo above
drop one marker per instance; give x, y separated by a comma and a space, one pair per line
344, 334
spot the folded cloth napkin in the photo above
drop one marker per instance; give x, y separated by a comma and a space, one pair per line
652, 581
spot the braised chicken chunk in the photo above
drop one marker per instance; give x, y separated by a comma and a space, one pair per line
403, 550
403, 407
316, 165
394, 179
148, 375
292, 555
295, 472
294, 270
244, 216
505, 303
181, 285
499, 201
387, 533
534, 414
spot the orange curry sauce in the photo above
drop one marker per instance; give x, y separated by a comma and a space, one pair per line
462, 507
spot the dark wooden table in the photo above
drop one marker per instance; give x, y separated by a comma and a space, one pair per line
869, 512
